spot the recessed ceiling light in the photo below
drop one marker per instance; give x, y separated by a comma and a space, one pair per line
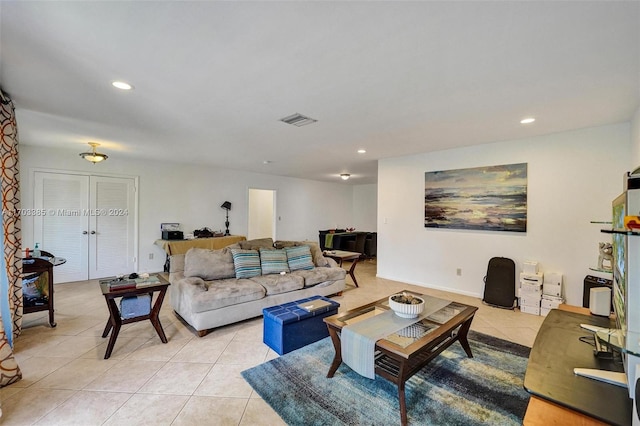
345, 176
362, 151
122, 85
527, 120
267, 162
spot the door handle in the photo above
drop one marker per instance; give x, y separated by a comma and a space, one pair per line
93, 232
84, 232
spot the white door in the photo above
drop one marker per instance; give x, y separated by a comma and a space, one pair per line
111, 226
88, 220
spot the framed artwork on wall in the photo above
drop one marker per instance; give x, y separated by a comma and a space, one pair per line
492, 198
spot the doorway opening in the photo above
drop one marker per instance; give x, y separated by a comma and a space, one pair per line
262, 214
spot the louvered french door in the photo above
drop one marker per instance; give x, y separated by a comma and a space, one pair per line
88, 220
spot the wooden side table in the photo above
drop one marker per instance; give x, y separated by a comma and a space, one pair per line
115, 318
42, 265
341, 255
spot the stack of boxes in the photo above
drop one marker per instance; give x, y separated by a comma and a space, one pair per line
530, 291
551, 292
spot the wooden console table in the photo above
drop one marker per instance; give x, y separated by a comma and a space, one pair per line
559, 396
172, 247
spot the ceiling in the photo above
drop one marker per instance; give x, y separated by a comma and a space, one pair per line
212, 79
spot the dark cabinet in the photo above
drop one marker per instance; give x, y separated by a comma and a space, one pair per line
361, 242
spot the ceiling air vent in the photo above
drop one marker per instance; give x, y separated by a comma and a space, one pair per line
298, 120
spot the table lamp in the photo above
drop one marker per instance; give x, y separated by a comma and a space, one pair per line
227, 206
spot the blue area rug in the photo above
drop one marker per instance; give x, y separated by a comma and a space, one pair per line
451, 390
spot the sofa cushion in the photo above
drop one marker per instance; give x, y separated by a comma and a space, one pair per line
320, 275
316, 252
299, 257
209, 264
276, 283
256, 244
246, 263
273, 261
221, 293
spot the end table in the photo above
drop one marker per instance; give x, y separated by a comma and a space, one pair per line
115, 318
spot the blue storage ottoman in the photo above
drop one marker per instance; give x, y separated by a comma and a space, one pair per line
288, 327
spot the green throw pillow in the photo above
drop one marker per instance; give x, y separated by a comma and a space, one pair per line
273, 261
246, 263
299, 257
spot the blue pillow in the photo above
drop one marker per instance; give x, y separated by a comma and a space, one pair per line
246, 263
299, 257
273, 261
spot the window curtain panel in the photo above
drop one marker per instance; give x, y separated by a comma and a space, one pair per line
10, 244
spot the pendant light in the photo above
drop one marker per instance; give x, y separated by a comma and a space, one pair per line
93, 156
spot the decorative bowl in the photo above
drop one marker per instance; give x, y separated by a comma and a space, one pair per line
406, 310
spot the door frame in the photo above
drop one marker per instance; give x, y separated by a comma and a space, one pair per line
274, 221
136, 202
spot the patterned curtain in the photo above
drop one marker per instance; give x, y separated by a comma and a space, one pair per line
11, 243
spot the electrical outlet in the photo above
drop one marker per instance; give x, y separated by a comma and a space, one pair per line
150, 256
459, 272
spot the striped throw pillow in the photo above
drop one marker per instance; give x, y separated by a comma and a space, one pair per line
299, 257
246, 263
273, 261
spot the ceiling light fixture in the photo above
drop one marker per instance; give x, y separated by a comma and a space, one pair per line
362, 151
121, 85
298, 120
345, 176
93, 156
527, 120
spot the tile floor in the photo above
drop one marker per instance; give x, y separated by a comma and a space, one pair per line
188, 381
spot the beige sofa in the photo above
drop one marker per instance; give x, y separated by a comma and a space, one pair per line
212, 288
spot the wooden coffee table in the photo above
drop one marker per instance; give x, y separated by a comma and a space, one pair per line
398, 357
341, 255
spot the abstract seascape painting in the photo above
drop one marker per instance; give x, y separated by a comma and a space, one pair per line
490, 198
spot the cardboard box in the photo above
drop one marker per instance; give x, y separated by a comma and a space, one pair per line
544, 312
530, 290
531, 278
550, 302
554, 278
530, 267
530, 300
530, 310
552, 289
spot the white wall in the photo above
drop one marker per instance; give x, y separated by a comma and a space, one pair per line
572, 179
365, 207
192, 195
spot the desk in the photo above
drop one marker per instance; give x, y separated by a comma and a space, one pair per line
340, 255
549, 377
115, 320
172, 247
